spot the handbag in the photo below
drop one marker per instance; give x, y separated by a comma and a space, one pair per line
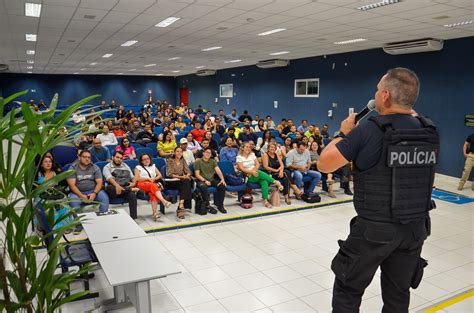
200, 206
274, 197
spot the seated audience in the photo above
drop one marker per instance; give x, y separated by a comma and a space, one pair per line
180, 124
177, 168
107, 138
299, 161
188, 155
325, 178
193, 145
128, 151
260, 127
288, 145
147, 176
232, 117
218, 127
98, 152
325, 131
273, 165
172, 128
246, 135
205, 170
120, 114
228, 152
212, 142
77, 117
293, 133
86, 183
205, 144
282, 125
287, 128
166, 145
119, 131
310, 131
255, 121
146, 136
120, 182
198, 133
269, 123
248, 164
230, 134
262, 142
245, 116
303, 127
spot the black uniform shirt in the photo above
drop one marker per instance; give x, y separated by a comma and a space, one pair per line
363, 144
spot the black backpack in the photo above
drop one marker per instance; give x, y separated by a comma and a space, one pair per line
313, 198
200, 205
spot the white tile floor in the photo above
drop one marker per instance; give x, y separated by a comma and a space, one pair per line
281, 263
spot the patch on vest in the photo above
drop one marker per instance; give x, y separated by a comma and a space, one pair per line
410, 156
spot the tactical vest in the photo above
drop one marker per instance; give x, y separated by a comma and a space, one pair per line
398, 188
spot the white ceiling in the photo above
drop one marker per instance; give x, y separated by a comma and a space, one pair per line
68, 42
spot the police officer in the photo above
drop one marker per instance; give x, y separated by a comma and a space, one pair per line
394, 155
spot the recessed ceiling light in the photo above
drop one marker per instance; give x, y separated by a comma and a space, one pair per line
167, 22
119, 73
150, 65
30, 37
158, 74
75, 73
30, 62
271, 32
459, 24
176, 71
32, 9
93, 63
233, 61
83, 69
174, 58
29, 67
129, 43
108, 55
279, 53
198, 67
211, 48
132, 70
30, 72
377, 5
350, 41
30, 52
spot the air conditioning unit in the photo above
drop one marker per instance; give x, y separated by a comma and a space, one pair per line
206, 72
273, 63
414, 46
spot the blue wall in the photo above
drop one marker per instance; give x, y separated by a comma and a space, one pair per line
72, 88
446, 94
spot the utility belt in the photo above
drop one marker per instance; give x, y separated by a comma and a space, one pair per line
394, 226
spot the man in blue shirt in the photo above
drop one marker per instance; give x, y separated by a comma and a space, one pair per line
98, 152
232, 117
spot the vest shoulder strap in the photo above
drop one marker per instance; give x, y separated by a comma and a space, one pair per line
426, 122
383, 122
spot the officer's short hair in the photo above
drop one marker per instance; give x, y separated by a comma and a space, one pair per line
403, 85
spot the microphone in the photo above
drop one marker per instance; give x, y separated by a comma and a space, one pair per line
370, 106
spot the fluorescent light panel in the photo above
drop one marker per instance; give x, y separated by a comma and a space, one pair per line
176, 71
198, 67
377, 5
150, 65
158, 74
280, 53
93, 63
233, 61
132, 70
108, 55
32, 9
30, 62
271, 32
168, 21
350, 41
30, 72
29, 67
30, 37
211, 48
458, 24
30, 52
129, 43
174, 58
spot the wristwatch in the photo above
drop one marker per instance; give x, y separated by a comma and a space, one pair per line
340, 135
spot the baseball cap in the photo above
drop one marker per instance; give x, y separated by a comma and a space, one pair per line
183, 140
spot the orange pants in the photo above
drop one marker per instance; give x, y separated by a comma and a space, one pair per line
150, 188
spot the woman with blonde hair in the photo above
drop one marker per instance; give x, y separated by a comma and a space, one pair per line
248, 164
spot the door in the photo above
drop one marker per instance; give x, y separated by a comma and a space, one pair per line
184, 95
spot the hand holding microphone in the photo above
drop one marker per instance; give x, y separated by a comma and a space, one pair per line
350, 122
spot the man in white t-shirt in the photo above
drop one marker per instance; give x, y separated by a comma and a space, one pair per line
107, 138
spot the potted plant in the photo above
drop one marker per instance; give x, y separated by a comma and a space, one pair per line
28, 284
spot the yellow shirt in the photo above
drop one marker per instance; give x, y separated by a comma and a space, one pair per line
236, 132
166, 147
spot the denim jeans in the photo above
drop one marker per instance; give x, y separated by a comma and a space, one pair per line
102, 198
312, 176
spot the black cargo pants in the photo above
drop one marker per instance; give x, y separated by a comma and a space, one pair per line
396, 248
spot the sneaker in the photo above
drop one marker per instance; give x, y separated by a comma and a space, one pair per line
211, 210
222, 210
78, 229
348, 192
